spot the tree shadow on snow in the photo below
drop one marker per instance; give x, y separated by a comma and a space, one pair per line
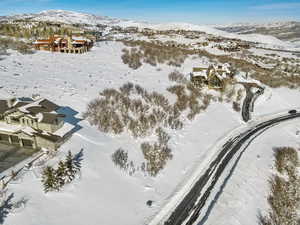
9, 206
6, 207
78, 157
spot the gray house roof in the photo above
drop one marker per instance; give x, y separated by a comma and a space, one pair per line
41, 109
50, 106
50, 117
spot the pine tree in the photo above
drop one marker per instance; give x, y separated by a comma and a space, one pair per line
61, 173
70, 168
49, 180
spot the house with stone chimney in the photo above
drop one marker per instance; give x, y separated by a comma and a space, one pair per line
32, 123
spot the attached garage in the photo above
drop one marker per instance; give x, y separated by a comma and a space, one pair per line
15, 139
4, 138
27, 143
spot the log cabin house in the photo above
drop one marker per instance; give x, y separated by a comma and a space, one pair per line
32, 123
64, 44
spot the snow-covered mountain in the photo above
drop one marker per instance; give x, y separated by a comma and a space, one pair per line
243, 32
289, 30
63, 16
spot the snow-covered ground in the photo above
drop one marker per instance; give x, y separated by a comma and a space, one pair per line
245, 195
106, 195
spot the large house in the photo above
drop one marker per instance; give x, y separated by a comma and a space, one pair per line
65, 44
32, 123
213, 76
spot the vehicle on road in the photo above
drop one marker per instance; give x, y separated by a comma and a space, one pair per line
293, 111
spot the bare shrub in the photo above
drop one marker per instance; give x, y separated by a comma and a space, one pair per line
142, 113
157, 154
101, 113
163, 137
20, 46
285, 190
178, 77
189, 97
236, 106
116, 109
286, 158
132, 58
153, 53
120, 158
127, 88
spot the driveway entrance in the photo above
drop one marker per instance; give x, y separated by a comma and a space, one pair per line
10, 155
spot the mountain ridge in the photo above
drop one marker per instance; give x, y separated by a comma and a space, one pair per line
91, 20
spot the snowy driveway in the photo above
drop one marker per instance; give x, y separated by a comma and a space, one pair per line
11, 155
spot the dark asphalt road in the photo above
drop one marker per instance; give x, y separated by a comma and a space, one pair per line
190, 207
248, 104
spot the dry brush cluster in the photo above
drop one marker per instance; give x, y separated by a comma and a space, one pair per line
139, 112
284, 198
10, 43
188, 97
120, 159
157, 153
132, 108
152, 53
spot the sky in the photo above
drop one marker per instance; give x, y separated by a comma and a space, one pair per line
192, 11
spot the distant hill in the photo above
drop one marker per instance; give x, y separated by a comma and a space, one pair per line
63, 16
267, 34
286, 31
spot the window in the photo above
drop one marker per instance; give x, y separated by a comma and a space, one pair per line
15, 120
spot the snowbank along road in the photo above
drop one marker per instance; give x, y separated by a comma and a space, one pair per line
189, 210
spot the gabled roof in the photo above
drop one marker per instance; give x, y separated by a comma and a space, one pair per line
39, 106
50, 117
50, 106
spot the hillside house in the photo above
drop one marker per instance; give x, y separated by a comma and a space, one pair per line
64, 44
233, 46
32, 123
213, 76
229, 46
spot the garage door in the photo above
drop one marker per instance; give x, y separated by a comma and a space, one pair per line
27, 143
14, 139
4, 138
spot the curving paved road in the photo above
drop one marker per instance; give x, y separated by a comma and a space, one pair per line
190, 208
248, 104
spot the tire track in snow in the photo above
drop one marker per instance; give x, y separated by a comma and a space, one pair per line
88, 139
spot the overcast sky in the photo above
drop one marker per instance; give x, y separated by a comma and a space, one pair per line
193, 11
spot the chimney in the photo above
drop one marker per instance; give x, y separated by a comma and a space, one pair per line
35, 96
69, 42
10, 102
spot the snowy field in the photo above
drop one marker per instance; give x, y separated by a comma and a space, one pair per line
106, 195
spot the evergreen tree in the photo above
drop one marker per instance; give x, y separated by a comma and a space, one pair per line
49, 179
70, 168
61, 173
